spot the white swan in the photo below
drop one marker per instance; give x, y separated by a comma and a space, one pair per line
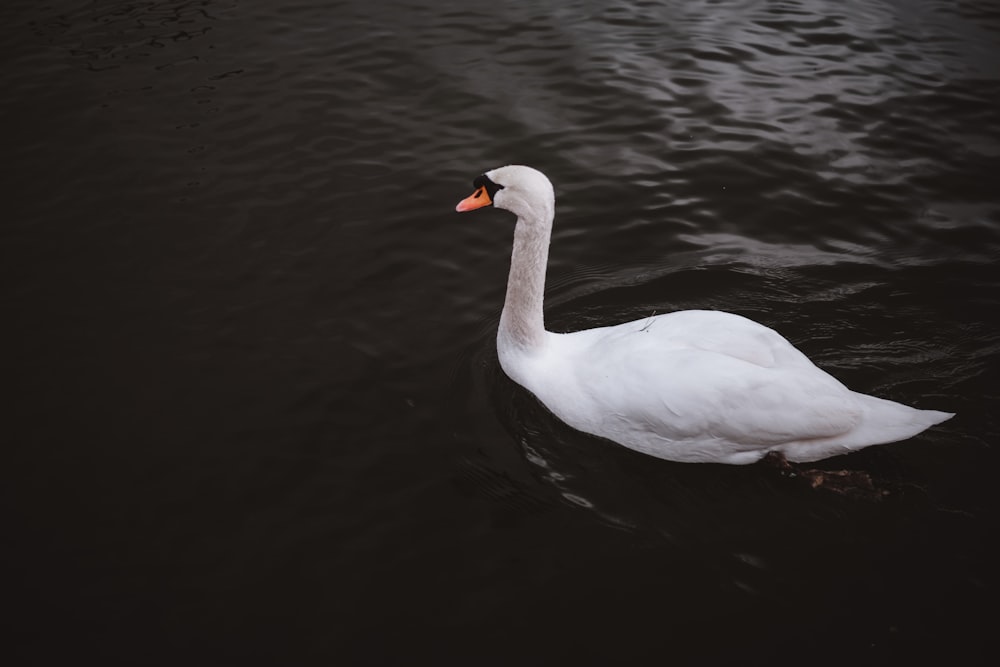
693, 385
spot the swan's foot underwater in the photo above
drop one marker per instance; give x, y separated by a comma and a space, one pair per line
853, 483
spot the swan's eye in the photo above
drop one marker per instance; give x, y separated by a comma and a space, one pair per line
483, 182
485, 191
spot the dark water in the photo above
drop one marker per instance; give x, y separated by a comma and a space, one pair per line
253, 410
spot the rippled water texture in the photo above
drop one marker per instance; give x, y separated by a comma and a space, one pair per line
254, 411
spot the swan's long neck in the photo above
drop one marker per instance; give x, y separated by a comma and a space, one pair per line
522, 326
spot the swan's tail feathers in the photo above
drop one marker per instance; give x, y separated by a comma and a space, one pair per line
937, 416
887, 421
882, 422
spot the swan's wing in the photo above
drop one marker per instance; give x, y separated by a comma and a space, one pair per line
672, 386
697, 395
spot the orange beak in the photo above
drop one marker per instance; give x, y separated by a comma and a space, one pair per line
477, 199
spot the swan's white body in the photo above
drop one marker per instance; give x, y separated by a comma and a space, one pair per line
694, 385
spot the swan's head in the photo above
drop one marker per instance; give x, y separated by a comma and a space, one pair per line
524, 191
